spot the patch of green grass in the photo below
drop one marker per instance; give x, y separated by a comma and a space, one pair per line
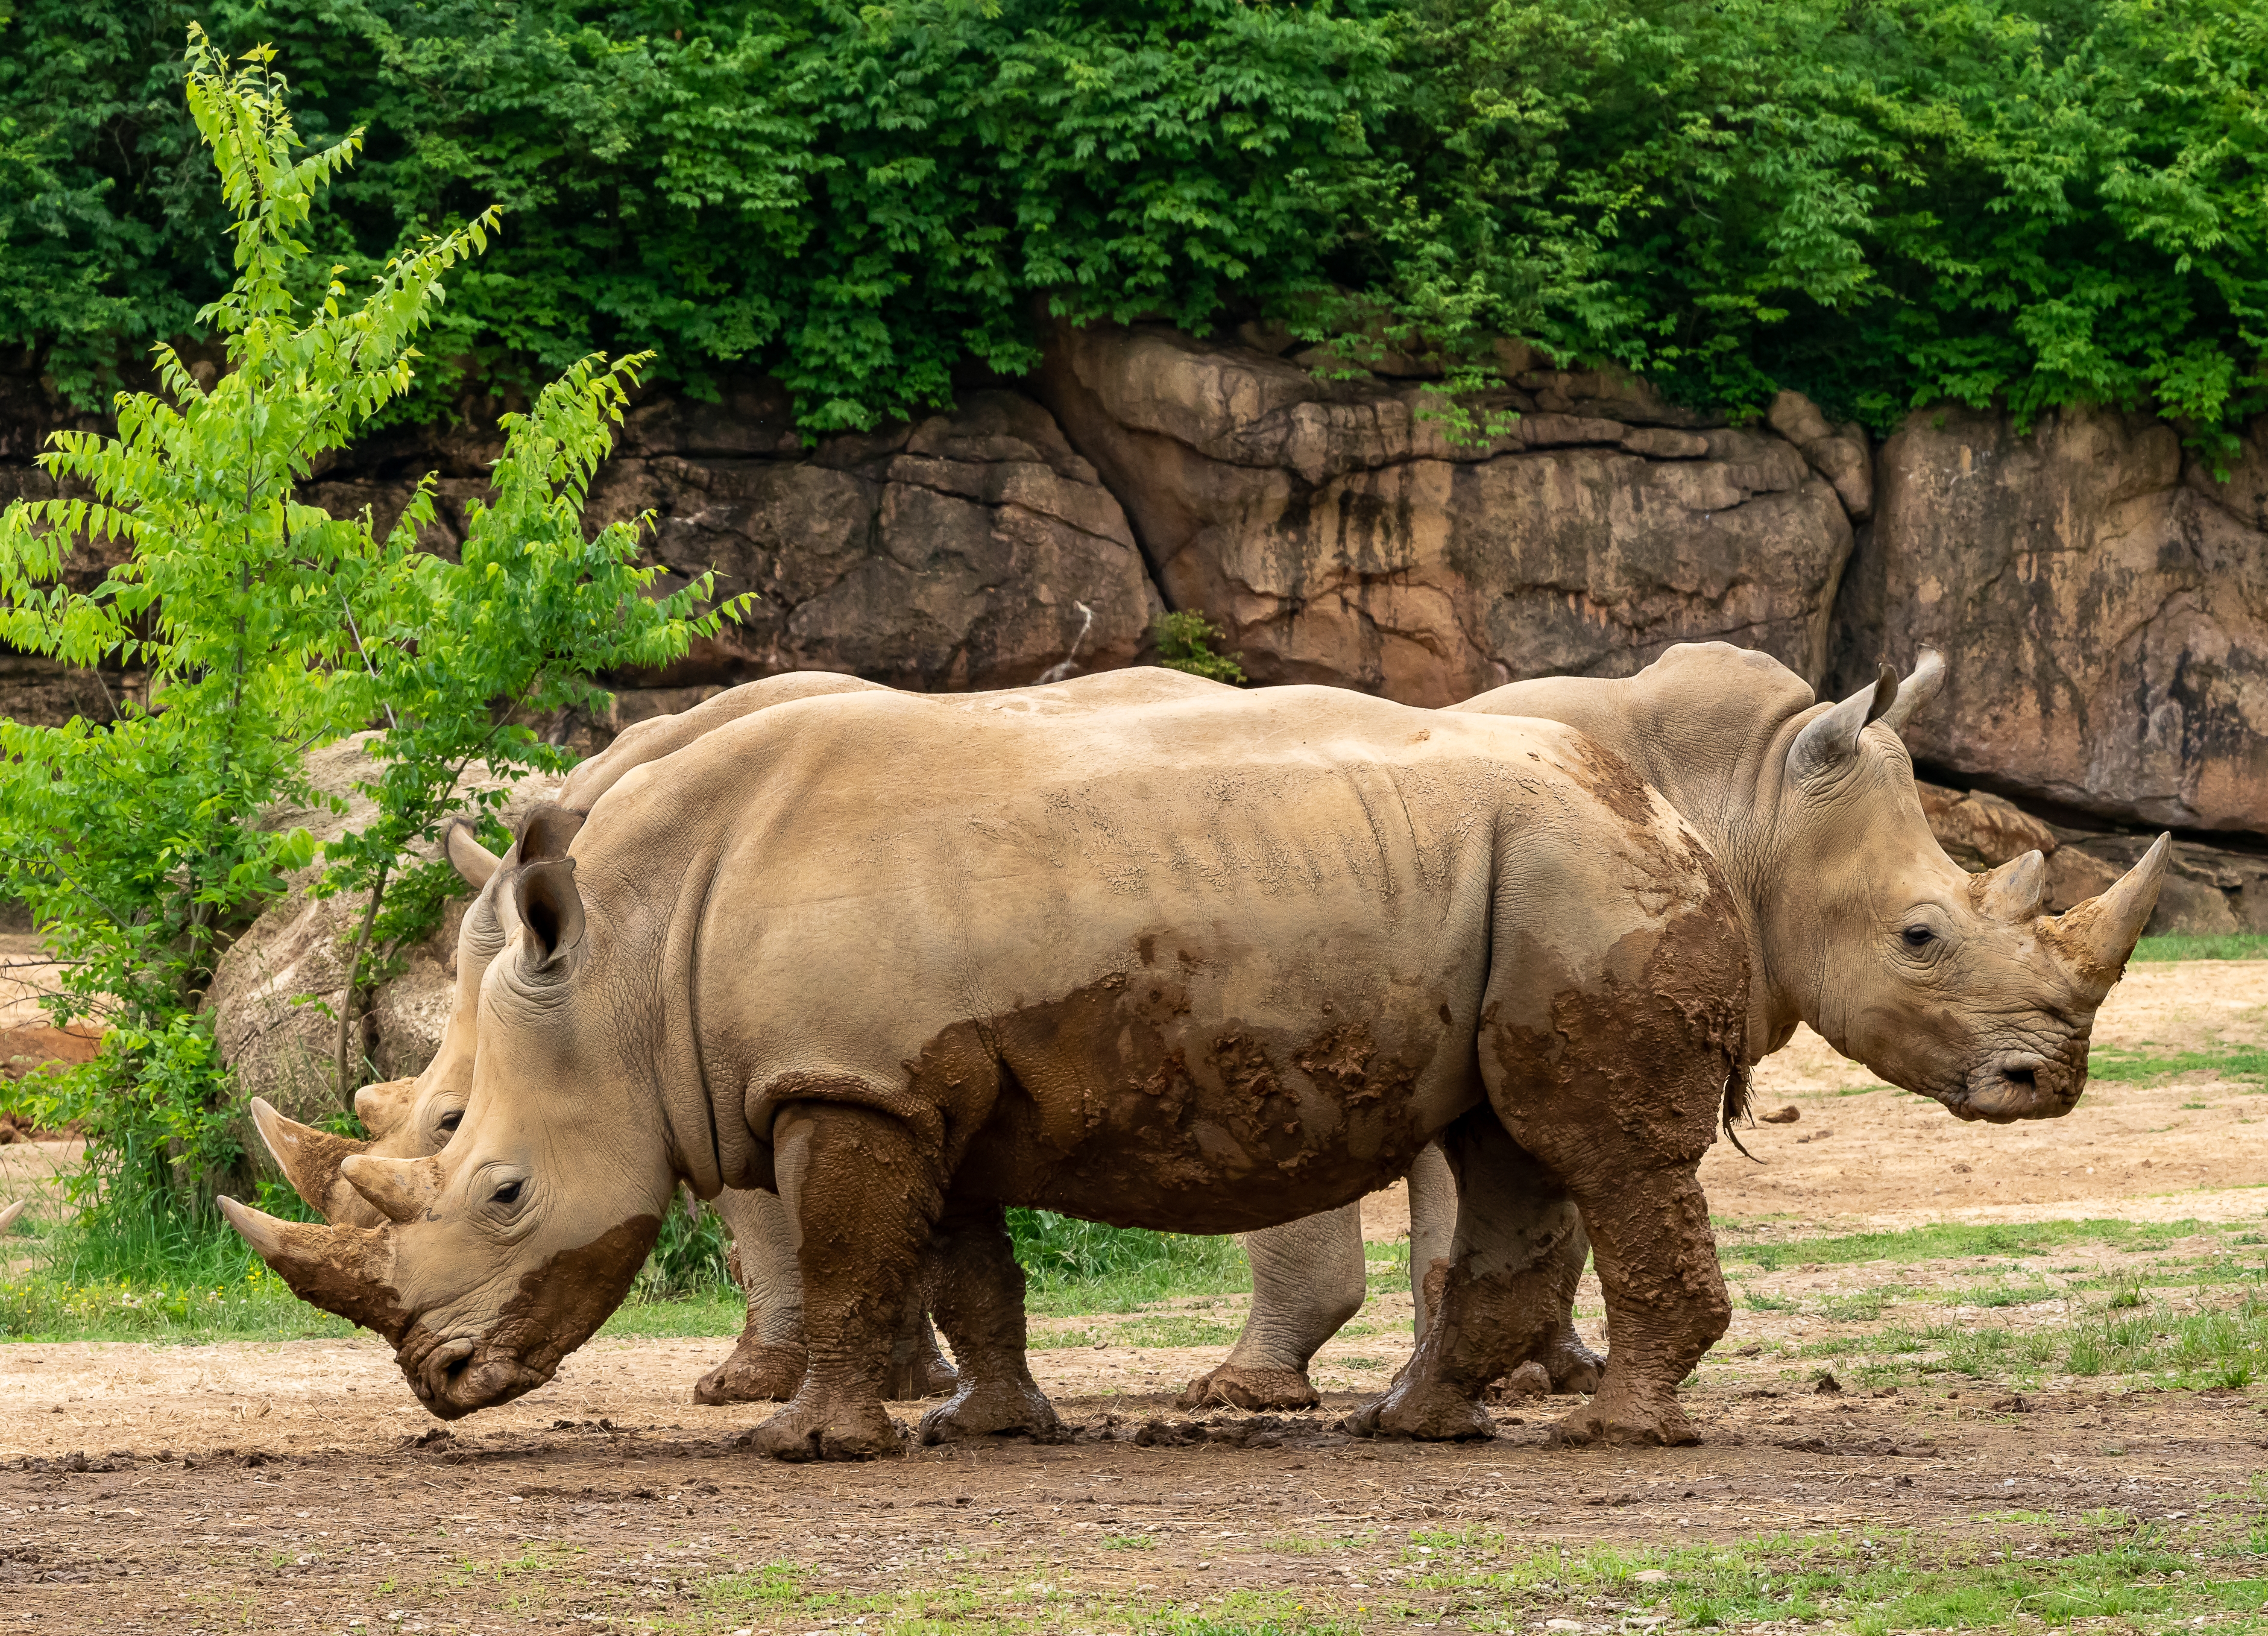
1953, 1240
2244, 1065
1763, 1300
1857, 1090
1174, 1329
2227, 946
1129, 1542
1877, 1583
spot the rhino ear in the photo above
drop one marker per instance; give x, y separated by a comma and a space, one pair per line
474, 863
1917, 690
547, 832
1830, 738
550, 911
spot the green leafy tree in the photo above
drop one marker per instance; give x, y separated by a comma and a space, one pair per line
264, 627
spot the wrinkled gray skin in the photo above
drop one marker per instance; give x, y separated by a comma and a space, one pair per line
1308, 1275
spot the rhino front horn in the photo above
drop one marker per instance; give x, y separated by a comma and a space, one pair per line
8, 1216
309, 1158
345, 1270
2096, 938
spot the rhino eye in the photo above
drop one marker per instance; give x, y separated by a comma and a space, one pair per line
451, 1120
1918, 936
509, 1193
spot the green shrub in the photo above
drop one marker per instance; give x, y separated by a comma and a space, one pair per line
1184, 642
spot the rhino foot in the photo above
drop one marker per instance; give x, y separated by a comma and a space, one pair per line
1255, 1390
1626, 1419
1429, 1413
826, 1426
992, 1409
757, 1372
1574, 1366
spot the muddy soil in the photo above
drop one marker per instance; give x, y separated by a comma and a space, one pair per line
296, 1487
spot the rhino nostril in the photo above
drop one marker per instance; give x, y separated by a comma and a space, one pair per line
450, 1360
2028, 1078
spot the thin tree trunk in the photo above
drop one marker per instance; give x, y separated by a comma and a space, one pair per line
347, 1088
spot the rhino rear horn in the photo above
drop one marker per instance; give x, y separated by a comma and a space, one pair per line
2013, 892
2096, 938
474, 863
1917, 690
309, 1158
8, 1216
1831, 737
401, 1189
345, 1270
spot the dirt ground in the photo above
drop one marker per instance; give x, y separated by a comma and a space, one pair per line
296, 1487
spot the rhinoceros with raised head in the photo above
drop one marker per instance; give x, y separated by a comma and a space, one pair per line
1208, 964
1945, 983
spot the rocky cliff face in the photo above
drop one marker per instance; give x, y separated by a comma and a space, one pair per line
2101, 595
2101, 598
1341, 536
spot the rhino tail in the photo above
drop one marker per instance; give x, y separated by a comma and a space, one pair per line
1736, 1105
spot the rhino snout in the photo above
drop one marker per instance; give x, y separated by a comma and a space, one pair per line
2017, 1085
458, 1377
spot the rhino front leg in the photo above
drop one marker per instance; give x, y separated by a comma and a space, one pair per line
861, 1196
1666, 1302
1500, 1299
767, 1363
1308, 1281
979, 1300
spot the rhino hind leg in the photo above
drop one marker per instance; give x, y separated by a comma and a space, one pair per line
979, 1300
1498, 1302
918, 1366
1308, 1281
863, 1195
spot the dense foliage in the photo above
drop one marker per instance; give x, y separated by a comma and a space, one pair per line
1880, 202
264, 627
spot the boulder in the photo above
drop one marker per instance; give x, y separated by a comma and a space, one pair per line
1979, 830
2102, 599
1340, 535
275, 994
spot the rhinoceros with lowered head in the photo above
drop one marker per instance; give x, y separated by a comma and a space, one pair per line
1205, 964
1945, 983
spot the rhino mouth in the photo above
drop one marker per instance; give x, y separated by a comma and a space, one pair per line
2017, 1085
